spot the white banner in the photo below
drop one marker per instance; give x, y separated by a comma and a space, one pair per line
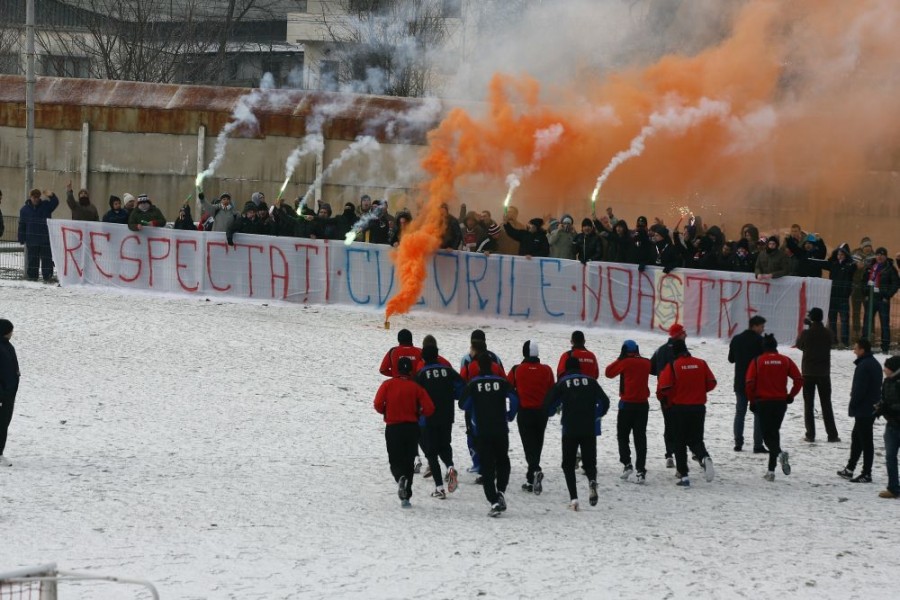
711, 304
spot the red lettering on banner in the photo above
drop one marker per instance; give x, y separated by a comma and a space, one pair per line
751, 310
327, 272
140, 264
209, 245
285, 277
609, 292
307, 247
67, 251
664, 300
95, 253
700, 298
641, 295
250, 247
152, 257
179, 265
725, 302
587, 290
802, 304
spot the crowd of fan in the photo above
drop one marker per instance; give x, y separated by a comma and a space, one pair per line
859, 276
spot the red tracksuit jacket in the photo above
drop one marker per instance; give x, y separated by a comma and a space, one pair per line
392, 357
532, 381
685, 382
402, 400
635, 372
767, 378
587, 359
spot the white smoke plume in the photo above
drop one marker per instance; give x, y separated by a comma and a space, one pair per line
544, 140
242, 116
674, 120
363, 144
310, 144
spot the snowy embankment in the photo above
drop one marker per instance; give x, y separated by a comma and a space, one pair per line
231, 451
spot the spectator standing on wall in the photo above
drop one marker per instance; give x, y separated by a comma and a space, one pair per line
842, 269
561, 239
587, 244
35, 236
184, 220
862, 258
532, 240
83, 209
772, 262
883, 282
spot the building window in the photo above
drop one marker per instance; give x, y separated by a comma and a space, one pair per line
10, 64
65, 66
451, 8
328, 75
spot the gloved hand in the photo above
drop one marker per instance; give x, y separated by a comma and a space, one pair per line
790, 399
201, 196
668, 270
641, 268
753, 407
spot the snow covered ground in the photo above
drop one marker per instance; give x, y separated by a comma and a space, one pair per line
231, 451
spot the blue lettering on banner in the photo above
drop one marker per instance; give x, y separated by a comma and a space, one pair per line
473, 283
437, 280
499, 281
512, 291
350, 252
382, 298
545, 284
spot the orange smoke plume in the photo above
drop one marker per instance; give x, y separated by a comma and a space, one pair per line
811, 131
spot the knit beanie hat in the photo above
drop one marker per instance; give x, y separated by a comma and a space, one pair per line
585, 222
530, 349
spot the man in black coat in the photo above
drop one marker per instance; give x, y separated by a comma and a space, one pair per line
864, 395
745, 347
532, 240
9, 384
587, 244
882, 281
815, 343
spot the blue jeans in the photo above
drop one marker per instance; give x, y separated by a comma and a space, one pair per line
891, 446
739, 414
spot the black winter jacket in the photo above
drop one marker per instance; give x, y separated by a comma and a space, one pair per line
866, 390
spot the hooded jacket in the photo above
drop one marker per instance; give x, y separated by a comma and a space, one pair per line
530, 244
222, 216
119, 217
81, 212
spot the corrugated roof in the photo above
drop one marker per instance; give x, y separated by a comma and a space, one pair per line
168, 108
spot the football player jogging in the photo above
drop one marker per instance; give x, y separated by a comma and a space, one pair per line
768, 396
485, 399
402, 401
532, 380
658, 362
682, 387
583, 404
444, 385
633, 372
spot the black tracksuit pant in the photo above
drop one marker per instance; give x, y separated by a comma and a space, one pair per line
686, 425
862, 443
402, 441
810, 384
436, 443
632, 420
532, 425
570, 446
771, 415
494, 453
6, 413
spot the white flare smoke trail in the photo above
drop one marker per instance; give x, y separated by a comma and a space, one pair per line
545, 139
311, 143
364, 144
676, 120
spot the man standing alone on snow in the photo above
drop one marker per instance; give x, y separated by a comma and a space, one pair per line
744, 347
768, 396
402, 401
864, 395
9, 384
815, 343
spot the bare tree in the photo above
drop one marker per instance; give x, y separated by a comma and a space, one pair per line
152, 40
388, 46
10, 50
